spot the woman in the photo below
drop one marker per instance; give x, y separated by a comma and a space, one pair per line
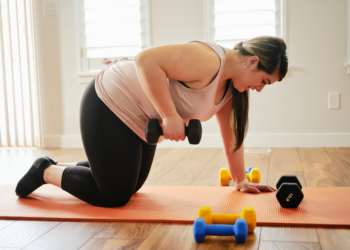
173, 83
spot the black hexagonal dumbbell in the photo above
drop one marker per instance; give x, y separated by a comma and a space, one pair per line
193, 131
289, 193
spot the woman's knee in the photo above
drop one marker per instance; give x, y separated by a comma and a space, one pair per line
114, 200
138, 186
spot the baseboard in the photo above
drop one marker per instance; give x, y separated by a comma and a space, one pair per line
290, 140
298, 140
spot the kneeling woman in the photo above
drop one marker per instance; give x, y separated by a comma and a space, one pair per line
174, 83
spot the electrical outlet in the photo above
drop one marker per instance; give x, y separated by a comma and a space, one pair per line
333, 100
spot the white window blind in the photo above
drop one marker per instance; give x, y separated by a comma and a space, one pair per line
112, 29
233, 21
19, 103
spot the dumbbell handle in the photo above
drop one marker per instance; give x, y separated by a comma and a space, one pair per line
239, 230
193, 131
220, 230
225, 218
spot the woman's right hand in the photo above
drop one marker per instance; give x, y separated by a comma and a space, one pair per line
256, 188
173, 127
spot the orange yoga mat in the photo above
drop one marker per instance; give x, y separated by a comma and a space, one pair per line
328, 207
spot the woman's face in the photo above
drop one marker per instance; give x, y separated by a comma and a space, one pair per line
252, 78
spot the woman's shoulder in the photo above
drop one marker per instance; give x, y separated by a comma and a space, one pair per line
187, 62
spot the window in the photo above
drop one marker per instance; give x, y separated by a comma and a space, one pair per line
232, 21
110, 28
20, 118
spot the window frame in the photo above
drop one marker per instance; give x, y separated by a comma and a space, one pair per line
84, 75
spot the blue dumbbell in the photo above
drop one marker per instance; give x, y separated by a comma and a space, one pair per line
239, 230
248, 170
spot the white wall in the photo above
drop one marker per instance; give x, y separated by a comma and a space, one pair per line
291, 113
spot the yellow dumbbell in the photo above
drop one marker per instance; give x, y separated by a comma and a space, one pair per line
252, 174
248, 213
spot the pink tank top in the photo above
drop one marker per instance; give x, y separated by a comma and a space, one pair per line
119, 88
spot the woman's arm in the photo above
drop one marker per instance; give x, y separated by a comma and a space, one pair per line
185, 62
236, 160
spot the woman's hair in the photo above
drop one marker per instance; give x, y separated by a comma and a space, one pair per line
273, 58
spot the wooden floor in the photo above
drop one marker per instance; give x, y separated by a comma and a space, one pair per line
315, 167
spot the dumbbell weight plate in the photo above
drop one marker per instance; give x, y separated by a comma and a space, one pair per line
289, 195
253, 175
194, 131
288, 178
224, 176
153, 131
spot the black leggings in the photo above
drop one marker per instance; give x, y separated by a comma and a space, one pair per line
119, 160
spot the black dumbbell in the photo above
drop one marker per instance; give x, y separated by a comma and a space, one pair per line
289, 193
193, 131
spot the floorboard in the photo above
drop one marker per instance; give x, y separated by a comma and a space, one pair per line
273, 245
334, 238
67, 235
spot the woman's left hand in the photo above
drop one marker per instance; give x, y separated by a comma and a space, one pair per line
255, 188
